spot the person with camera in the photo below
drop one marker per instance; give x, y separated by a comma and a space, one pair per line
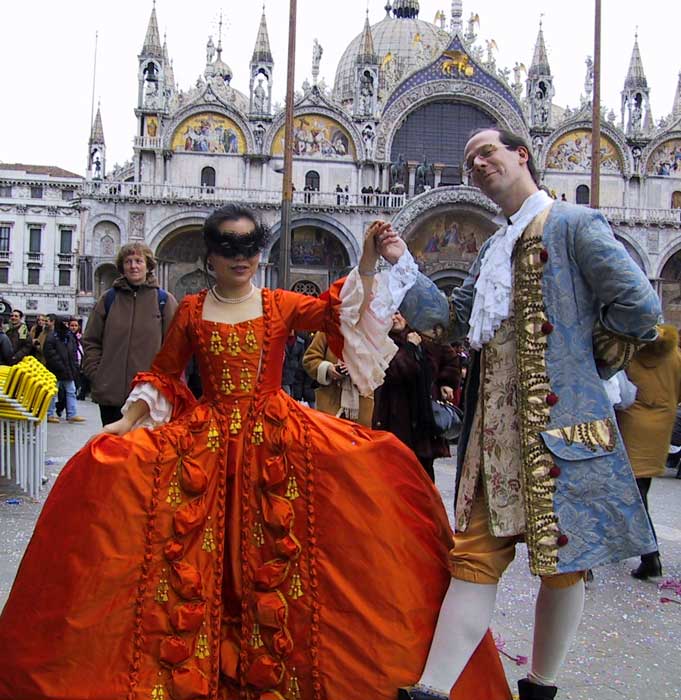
336, 393
422, 371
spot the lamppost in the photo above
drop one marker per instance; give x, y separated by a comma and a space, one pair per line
596, 114
287, 186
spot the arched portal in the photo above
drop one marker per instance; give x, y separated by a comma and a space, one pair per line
180, 261
438, 131
448, 239
670, 289
318, 257
104, 278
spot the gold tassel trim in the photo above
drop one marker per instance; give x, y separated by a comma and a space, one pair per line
227, 385
258, 535
162, 589
233, 346
296, 588
251, 342
235, 424
292, 488
158, 693
208, 540
293, 687
202, 648
256, 639
258, 435
216, 346
174, 497
246, 381
213, 442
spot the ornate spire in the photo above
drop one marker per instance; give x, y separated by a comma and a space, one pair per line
262, 52
367, 53
636, 77
170, 74
406, 9
540, 60
97, 132
457, 17
152, 40
676, 109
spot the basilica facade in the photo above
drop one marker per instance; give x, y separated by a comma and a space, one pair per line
385, 141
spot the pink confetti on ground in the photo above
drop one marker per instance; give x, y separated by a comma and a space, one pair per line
501, 648
673, 586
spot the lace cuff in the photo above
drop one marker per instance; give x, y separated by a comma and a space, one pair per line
160, 409
367, 349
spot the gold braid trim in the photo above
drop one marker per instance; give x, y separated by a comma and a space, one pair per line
533, 388
612, 349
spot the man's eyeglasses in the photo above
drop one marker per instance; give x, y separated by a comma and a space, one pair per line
483, 152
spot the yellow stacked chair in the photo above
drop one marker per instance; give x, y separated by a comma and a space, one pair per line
26, 390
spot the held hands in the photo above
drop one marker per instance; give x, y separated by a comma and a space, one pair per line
337, 372
414, 338
380, 239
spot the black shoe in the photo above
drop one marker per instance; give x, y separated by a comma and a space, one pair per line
420, 692
532, 691
649, 568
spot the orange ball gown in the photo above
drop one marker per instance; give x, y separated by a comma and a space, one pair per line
250, 548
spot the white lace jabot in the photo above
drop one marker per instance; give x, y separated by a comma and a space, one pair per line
492, 301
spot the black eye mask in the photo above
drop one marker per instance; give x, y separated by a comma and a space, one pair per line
233, 245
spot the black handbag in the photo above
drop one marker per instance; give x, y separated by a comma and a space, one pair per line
447, 420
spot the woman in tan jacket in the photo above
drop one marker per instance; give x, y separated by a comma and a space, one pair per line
336, 394
646, 426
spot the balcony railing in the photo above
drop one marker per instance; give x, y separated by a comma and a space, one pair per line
66, 258
148, 141
165, 193
34, 258
5, 256
659, 217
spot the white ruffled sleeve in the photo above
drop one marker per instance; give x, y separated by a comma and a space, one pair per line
367, 349
160, 409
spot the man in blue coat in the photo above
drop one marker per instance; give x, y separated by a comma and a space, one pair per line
552, 305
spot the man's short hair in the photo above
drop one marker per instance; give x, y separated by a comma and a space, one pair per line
513, 142
135, 249
17, 311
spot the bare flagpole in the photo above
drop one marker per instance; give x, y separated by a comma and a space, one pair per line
94, 79
596, 116
287, 193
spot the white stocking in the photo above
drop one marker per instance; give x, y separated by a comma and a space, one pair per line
464, 617
556, 619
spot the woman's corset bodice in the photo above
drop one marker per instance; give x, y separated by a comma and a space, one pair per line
240, 361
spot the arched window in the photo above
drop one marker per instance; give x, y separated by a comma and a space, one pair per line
312, 180
208, 177
582, 194
676, 200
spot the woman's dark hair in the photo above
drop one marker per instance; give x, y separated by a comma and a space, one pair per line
212, 237
513, 142
61, 326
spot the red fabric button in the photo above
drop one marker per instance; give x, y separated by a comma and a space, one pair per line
544, 255
554, 472
551, 399
547, 327
563, 540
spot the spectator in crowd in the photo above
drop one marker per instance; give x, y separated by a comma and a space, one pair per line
82, 382
60, 359
422, 370
336, 393
6, 350
18, 334
293, 376
125, 329
339, 195
646, 426
38, 335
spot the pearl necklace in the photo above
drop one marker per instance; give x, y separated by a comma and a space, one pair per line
233, 300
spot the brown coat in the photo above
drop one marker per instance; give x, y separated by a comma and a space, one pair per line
317, 358
646, 426
126, 341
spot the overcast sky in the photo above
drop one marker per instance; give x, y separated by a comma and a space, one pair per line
47, 47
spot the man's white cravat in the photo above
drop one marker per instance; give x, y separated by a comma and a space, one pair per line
492, 301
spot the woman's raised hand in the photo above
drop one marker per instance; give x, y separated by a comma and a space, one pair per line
390, 245
370, 254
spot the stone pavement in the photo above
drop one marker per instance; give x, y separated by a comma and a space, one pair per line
628, 645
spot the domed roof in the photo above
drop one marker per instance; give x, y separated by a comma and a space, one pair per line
402, 45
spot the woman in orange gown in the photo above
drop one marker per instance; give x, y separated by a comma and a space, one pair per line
242, 546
